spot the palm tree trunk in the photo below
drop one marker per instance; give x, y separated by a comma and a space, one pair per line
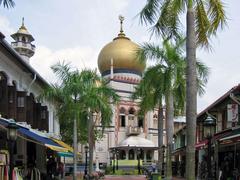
169, 129
191, 96
90, 142
160, 137
75, 148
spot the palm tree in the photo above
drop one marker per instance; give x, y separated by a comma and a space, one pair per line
203, 19
7, 3
170, 74
78, 95
150, 91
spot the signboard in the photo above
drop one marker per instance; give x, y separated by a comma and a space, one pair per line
232, 113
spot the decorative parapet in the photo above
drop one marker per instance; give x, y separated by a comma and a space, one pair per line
134, 130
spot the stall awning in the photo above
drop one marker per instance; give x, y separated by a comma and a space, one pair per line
29, 135
63, 144
65, 154
201, 144
233, 136
42, 140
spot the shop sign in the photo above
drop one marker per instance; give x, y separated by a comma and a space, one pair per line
232, 114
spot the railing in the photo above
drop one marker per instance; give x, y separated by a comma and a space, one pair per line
133, 130
24, 45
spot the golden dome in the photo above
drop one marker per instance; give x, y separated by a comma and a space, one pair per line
123, 53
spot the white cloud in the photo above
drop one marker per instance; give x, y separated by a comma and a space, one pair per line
79, 57
5, 27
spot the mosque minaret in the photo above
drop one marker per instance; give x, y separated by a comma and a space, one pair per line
23, 42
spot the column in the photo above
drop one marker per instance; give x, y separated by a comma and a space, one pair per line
126, 120
127, 151
135, 154
152, 155
145, 156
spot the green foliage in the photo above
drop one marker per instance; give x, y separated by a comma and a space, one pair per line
77, 93
168, 74
108, 170
164, 17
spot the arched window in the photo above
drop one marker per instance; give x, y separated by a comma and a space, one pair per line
3, 84
23, 39
140, 121
131, 111
131, 154
122, 118
122, 154
149, 155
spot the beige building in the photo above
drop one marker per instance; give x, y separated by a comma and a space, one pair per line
129, 132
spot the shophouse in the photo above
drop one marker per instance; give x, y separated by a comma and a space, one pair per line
20, 85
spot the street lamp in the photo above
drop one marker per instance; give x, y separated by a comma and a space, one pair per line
209, 130
138, 157
11, 136
86, 152
75, 98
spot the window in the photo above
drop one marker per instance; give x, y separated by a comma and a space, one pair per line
131, 117
10, 97
20, 102
23, 39
131, 111
43, 114
140, 121
122, 121
131, 114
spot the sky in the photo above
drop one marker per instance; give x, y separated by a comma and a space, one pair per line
76, 32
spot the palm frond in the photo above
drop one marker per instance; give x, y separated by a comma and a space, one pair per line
202, 24
149, 12
7, 3
217, 15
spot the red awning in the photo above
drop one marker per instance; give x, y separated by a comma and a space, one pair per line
221, 134
200, 144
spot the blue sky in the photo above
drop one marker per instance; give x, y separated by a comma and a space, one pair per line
77, 30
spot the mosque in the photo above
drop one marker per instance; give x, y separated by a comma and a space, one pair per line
130, 134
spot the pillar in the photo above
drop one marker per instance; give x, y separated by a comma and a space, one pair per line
145, 155
152, 156
135, 154
127, 151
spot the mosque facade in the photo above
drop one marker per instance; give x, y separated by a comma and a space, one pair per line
129, 132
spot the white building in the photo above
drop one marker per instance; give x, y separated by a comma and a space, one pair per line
20, 84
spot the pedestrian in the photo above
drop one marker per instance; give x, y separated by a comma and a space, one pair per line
60, 169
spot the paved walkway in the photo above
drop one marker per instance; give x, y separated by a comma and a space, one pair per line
126, 177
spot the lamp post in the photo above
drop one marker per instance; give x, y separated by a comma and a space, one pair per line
163, 153
138, 157
113, 168
75, 98
117, 156
11, 136
209, 129
86, 152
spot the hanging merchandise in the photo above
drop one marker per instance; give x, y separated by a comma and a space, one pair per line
17, 174
35, 174
4, 165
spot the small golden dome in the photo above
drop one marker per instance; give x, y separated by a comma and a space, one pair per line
22, 30
123, 53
